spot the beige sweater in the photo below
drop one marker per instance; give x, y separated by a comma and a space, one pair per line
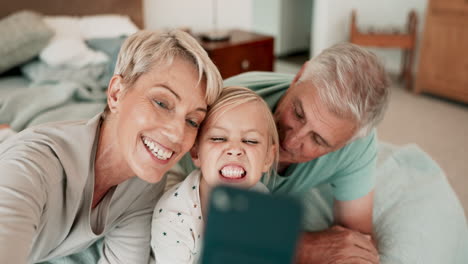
46, 188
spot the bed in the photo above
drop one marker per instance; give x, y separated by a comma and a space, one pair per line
417, 216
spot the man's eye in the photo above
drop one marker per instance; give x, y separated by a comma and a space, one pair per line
161, 104
192, 123
297, 113
250, 141
317, 140
217, 139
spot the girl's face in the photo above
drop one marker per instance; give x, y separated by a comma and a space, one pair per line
157, 118
234, 147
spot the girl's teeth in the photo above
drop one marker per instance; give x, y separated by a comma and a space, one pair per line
232, 172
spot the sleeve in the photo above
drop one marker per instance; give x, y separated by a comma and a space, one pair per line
23, 196
171, 241
357, 176
129, 241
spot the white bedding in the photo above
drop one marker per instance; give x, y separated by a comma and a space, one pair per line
417, 216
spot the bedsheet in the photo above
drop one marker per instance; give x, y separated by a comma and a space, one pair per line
417, 217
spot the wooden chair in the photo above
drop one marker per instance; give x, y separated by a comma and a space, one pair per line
394, 39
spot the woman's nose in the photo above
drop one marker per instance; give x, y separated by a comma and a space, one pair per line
175, 131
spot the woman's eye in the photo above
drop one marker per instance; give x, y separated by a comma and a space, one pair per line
161, 104
192, 123
250, 141
217, 139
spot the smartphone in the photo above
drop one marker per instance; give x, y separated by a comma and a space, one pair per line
250, 227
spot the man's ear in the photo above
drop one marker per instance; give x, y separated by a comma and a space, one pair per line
270, 158
114, 92
194, 155
299, 74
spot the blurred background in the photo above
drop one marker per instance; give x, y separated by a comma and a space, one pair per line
421, 42
436, 121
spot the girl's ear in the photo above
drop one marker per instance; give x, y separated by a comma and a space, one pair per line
194, 155
114, 93
270, 158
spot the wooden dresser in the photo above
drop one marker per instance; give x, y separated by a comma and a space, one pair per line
443, 64
244, 51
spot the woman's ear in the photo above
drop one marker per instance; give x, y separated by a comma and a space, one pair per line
114, 92
270, 158
194, 155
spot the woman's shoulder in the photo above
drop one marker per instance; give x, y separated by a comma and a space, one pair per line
52, 147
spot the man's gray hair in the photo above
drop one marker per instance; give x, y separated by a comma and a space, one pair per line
352, 83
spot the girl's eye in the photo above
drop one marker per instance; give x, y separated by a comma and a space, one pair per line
192, 123
250, 142
217, 139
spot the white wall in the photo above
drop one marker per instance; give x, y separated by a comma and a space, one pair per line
331, 22
197, 14
287, 20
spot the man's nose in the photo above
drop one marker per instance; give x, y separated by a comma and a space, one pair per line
293, 141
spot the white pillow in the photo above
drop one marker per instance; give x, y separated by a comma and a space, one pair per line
106, 26
68, 47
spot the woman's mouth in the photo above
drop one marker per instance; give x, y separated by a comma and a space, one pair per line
232, 172
158, 151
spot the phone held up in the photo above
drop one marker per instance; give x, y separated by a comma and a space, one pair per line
245, 226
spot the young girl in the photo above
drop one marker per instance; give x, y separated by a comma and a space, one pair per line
237, 143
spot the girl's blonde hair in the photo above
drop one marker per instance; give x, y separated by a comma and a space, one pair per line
234, 96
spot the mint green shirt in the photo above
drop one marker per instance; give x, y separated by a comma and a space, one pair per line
349, 170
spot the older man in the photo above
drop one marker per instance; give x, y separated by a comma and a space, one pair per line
326, 116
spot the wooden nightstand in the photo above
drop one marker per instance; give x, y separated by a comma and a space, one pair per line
244, 51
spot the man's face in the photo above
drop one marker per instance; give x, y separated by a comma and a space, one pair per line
307, 130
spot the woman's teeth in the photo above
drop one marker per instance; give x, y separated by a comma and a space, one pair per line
233, 172
157, 150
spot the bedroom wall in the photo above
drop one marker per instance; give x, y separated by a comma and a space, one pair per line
163, 14
331, 18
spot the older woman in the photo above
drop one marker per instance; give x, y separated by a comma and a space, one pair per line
65, 185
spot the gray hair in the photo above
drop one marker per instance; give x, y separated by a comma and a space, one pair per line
352, 83
146, 49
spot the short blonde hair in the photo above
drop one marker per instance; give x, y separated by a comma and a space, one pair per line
352, 82
234, 96
146, 49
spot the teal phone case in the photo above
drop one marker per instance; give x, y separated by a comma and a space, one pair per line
250, 227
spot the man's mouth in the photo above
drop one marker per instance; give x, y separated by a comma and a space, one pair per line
233, 172
156, 149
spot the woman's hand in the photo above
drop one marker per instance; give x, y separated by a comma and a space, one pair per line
336, 245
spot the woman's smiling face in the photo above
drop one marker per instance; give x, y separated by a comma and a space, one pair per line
157, 118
